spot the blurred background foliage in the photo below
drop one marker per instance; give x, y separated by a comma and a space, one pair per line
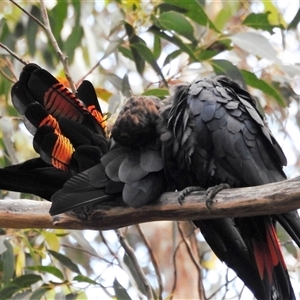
129, 47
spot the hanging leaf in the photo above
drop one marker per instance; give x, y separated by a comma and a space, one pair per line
57, 16
134, 39
159, 93
32, 29
225, 67
52, 240
157, 47
174, 21
294, 23
252, 80
126, 88
38, 293
121, 293
81, 278
8, 263
256, 44
174, 40
260, 21
47, 269
8, 292
73, 41
195, 11
26, 280
66, 261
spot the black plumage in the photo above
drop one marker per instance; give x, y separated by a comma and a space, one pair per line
131, 169
212, 133
69, 133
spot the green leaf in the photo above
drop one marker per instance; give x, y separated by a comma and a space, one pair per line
39, 293
171, 56
174, 40
126, 52
134, 39
226, 13
58, 15
275, 16
47, 269
8, 263
225, 67
175, 21
67, 262
147, 55
126, 88
294, 23
73, 41
160, 93
156, 47
260, 21
194, 11
7, 292
166, 7
252, 80
26, 280
120, 292
81, 278
127, 260
32, 29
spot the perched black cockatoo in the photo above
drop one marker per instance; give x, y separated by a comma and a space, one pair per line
132, 167
212, 133
69, 132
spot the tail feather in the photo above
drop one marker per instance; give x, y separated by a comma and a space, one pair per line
88, 187
34, 177
260, 235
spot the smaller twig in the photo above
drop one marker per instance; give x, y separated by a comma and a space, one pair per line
29, 14
175, 271
212, 296
13, 54
130, 252
113, 254
62, 57
89, 253
153, 260
189, 250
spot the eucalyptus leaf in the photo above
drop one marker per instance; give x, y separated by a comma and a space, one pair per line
66, 261
252, 80
256, 44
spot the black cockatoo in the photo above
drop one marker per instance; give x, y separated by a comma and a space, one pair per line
132, 166
69, 136
212, 134
69, 132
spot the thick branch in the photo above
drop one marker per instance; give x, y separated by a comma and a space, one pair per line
267, 199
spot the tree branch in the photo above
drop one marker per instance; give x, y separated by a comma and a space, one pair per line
271, 198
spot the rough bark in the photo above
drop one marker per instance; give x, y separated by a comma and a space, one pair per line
272, 198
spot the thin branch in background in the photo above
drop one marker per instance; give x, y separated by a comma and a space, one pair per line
189, 250
226, 284
5, 63
47, 29
63, 58
13, 54
175, 271
153, 260
115, 256
29, 14
212, 296
89, 72
130, 252
89, 253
